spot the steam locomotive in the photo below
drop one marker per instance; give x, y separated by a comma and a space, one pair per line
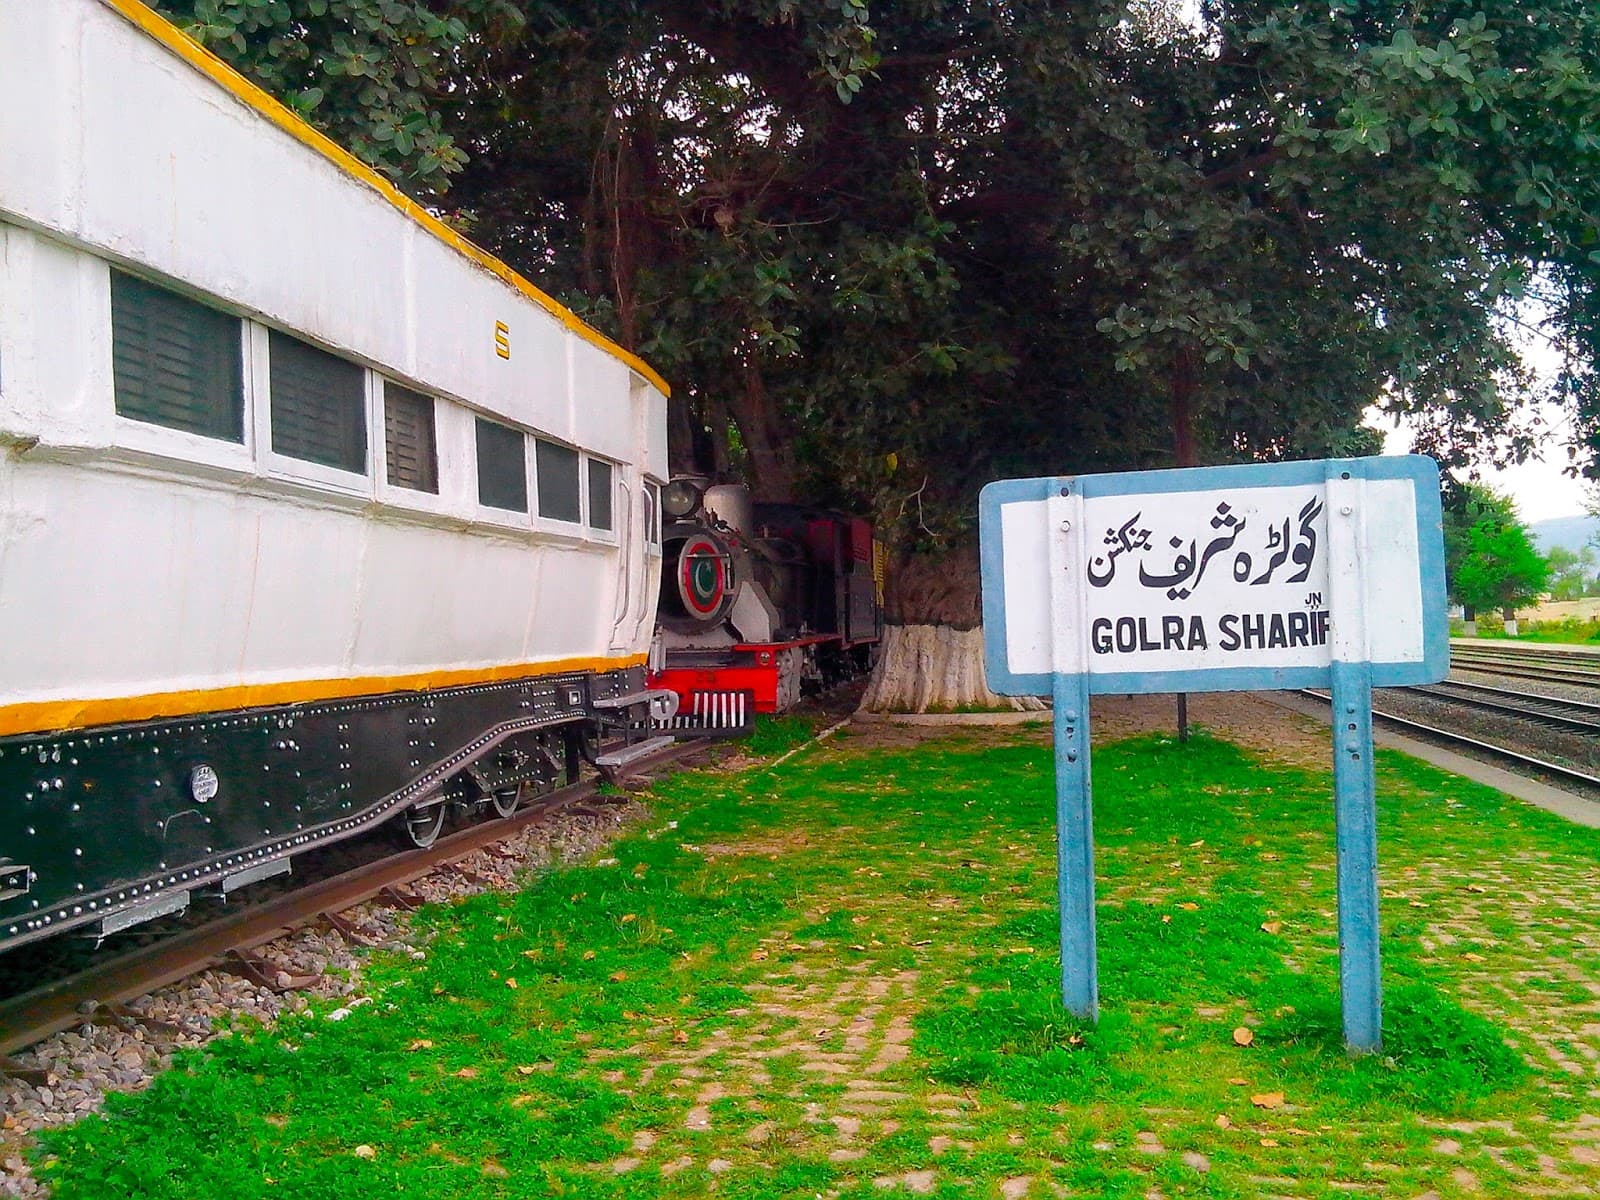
760, 602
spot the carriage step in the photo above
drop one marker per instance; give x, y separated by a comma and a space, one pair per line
162, 904
657, 694
628, 754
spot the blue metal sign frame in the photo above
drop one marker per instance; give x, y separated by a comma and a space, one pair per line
1070, 685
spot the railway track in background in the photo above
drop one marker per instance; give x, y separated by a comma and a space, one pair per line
1577, 668
99, 994
1570, 776
1514, 708
1578, 716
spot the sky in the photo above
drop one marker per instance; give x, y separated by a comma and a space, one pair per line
1539, 488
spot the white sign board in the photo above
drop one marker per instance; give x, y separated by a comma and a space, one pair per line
1220, 578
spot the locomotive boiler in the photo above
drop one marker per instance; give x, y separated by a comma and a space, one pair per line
760, 602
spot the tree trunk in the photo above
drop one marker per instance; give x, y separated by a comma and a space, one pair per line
772, 468
1183, 387
931, 659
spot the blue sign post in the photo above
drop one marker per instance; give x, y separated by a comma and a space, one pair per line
1286, 575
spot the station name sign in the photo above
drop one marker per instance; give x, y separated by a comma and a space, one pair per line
1220, 578
1305, 574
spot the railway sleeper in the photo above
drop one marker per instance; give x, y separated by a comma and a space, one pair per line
404, 901
265, 973
120, 1016
37, 1076
348, 930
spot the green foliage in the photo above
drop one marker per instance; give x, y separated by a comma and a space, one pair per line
1436, 1056
777, 735
1573, 574
1489, 557
1022, 1043
1501, 567
1565, 631
889, 252
370, 73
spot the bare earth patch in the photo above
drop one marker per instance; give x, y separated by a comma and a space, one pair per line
1257, 723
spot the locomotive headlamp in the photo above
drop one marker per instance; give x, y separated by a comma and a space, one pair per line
681, 499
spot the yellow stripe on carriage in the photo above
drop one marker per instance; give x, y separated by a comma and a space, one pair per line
59, 716
208, 64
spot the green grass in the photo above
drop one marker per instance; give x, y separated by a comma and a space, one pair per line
1569, 631
803, 918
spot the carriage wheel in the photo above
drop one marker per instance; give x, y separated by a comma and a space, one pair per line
506, 800
423, 825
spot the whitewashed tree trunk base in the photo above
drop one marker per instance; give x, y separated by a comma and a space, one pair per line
935, 668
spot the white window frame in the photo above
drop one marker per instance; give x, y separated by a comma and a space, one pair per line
298, 470
650, 512
441, 503
593, 532
486, 514
572, 531
162, 441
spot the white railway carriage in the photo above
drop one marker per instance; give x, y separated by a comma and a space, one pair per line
312, 514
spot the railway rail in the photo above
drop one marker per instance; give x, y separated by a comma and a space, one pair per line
1559, 771
1551, 651
100, 993
1560, 666
1576, 715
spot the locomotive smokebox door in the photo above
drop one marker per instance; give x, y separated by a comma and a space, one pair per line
697, 579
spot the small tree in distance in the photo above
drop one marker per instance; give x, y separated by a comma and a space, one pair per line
1490, 558
1573, 573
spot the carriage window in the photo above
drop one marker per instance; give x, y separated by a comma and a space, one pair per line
174, 362
599, 494
409, 449
319, 405
502, 467
558, 481
652, 513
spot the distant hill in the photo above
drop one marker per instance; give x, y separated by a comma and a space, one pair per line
1569, 532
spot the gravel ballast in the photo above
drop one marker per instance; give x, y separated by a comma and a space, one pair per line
84, 1064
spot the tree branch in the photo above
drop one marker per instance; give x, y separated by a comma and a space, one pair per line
1238, 170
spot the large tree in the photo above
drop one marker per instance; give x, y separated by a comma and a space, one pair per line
369, 72
890, 251
1573, 573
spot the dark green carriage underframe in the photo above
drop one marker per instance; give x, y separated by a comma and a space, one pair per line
107, 821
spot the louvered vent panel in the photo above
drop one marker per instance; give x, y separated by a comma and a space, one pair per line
175, 362
409, 446
319, 410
